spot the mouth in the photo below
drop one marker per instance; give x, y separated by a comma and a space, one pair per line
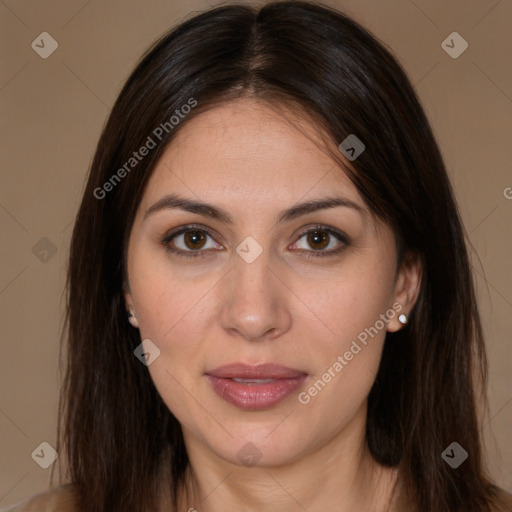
255, 387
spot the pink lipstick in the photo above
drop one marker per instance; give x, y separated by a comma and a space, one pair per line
255, 387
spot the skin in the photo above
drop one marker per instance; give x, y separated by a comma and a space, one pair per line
283, 307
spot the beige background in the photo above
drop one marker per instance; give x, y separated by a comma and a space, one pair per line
53, 110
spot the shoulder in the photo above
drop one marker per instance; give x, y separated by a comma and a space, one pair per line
57, 499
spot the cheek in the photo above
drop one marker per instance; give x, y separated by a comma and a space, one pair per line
345, 364
173, 317
167, 296
355, 307
350, 303
176, 318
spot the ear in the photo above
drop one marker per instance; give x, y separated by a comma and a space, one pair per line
132, 317
407, 289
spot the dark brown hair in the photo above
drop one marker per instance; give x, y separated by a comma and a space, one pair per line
119, 436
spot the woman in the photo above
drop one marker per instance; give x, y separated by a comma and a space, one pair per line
270, 305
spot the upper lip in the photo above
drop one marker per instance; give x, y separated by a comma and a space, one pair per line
260, 371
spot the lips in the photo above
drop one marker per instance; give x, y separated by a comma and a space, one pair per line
255, 387
261, 371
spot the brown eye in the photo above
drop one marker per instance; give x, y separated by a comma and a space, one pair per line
321, 241
190, 241
194, 239
318, 240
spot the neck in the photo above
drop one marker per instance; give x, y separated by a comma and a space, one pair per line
341, 475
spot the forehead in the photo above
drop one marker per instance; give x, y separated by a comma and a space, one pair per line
246, 147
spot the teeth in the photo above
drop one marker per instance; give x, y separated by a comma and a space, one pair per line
254, 381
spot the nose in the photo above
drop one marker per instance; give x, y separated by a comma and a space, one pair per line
255, 303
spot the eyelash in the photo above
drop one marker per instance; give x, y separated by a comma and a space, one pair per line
339, 235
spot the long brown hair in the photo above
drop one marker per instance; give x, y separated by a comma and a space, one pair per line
118, 435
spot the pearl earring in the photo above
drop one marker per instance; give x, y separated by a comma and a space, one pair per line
403, 319
132, 319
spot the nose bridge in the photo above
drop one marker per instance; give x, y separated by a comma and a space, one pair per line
251, 268
252, 278
254, 305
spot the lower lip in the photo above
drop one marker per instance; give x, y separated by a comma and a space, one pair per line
255, 397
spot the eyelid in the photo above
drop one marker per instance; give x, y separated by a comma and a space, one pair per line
188, 227
340, 235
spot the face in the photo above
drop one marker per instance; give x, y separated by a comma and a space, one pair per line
269, 316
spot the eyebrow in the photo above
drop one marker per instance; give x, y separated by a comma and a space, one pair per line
173, 201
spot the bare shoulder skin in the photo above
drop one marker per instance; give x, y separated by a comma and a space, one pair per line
57, 499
